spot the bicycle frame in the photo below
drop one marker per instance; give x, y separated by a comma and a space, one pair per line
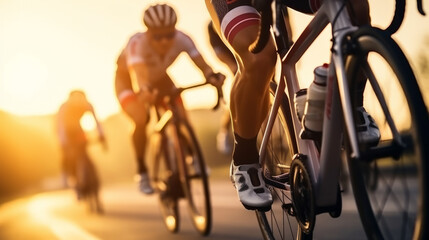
324, 168
172, 109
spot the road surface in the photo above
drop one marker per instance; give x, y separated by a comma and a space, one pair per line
130, 215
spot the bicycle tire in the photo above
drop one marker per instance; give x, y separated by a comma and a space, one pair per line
279, 222
93, 195
88, 185
163, 174
195, 183
401, 214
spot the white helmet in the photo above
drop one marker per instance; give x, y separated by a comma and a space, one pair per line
159, 16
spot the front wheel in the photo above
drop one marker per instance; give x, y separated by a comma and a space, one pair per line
164, 178
195, 180
391, 196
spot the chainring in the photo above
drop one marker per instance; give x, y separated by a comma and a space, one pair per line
302, 194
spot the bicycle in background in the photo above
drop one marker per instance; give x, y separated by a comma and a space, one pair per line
303, 174
179, 170
88, 183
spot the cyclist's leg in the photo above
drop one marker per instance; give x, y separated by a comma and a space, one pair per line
68, 165
139, 141
238, 24
139, 113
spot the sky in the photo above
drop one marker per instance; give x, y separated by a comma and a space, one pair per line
49, 47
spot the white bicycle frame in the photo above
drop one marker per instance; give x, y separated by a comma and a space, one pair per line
324, 169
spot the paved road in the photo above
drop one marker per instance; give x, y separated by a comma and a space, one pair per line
130, 215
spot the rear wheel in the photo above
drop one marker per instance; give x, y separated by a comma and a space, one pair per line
390, 179
195, 184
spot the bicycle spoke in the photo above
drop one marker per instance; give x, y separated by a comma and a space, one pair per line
378, 93
278, 223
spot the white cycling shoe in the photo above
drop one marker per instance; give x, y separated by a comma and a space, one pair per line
250, 186
144, 183
367, 129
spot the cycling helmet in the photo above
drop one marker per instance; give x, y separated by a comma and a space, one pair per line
159, 16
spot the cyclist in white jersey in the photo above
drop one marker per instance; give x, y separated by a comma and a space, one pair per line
142, 78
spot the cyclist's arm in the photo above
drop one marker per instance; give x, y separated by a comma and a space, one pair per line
60, 125
123, 84
202, 65
199, 60
98, 124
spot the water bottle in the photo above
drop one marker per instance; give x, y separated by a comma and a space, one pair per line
315, 104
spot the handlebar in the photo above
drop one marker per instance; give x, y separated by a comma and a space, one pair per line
264, 7
179, 90
420, 7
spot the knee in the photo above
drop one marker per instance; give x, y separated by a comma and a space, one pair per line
261, 64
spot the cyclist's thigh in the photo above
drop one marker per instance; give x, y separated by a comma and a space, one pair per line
232, 20
238, 24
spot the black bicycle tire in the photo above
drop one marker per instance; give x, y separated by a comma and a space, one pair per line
94, 182
156, 172
376, 40
284, 112
203, 227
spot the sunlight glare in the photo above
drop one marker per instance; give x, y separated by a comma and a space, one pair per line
41, 208
24, 78
87, 122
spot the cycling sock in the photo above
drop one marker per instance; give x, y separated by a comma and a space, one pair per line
141, 166
245, 151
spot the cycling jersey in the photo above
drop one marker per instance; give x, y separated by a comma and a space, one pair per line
69, 128
138, 51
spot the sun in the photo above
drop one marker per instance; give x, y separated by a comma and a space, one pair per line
24, 78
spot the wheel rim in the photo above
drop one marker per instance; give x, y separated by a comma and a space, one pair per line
197, 187
162, 174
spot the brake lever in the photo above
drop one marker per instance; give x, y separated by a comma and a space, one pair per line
420, 7
219, 98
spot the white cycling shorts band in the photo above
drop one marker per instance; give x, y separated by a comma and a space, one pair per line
125, 95
134, 59
237, 19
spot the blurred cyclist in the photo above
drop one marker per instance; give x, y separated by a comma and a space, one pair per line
71, 135
142, 79
237, 22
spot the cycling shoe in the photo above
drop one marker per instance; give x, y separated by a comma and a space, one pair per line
250, 186
367, 129
144, 183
